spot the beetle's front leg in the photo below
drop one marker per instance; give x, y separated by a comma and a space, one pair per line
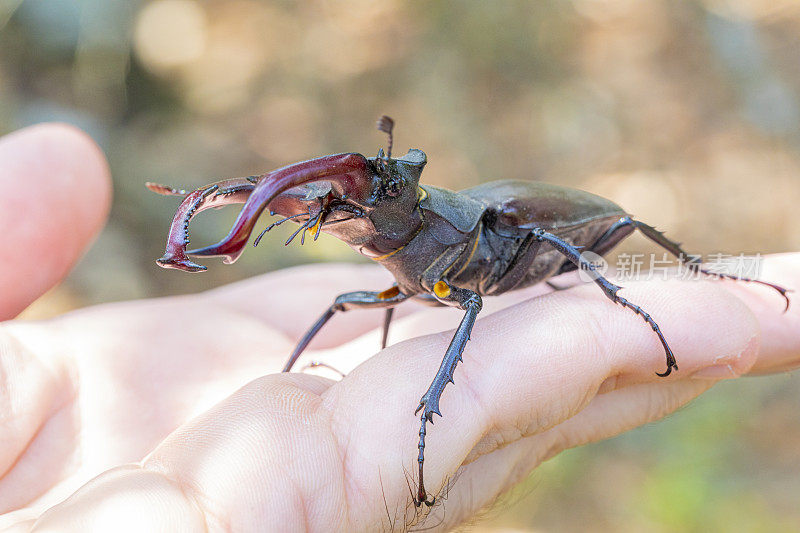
470, 302
344, 302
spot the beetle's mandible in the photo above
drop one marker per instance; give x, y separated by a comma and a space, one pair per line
443, 247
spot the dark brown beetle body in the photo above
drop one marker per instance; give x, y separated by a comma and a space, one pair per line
442, 247
486, 241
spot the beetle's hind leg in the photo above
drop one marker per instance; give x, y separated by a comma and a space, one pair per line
626, 224
573, 254
344, 302
674, 248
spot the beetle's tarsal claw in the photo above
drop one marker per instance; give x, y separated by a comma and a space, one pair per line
421, 498
671, 365
785, 294
666, 373
422, 495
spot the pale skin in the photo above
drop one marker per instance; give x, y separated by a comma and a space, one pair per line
168, 414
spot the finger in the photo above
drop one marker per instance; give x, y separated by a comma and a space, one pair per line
780, 332
36, 414
201, 356
780, 339
481, 482
125, 499
19, 521
421, 320
530, 367
56, 195
292, 299
232, 468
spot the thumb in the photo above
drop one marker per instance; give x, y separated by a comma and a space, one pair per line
55, 198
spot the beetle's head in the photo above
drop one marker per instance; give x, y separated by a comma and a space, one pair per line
374, 209
396, 195
370, 203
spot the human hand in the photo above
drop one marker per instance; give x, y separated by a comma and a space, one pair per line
155, 405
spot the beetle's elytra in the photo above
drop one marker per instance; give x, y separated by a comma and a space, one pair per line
443, 247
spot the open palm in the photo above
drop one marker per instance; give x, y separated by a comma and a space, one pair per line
151, 415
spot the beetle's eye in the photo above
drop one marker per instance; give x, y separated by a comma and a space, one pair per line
394, 187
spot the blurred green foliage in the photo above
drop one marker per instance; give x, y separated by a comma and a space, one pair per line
686, 113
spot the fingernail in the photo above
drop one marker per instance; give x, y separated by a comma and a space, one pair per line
716, 372
734, 367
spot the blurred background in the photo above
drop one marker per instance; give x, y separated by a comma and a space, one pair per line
685, 113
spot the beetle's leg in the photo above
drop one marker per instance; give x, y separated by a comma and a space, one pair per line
626, 225
470, 302
387, 319
610, 290
675, 249
613, 235
344, 302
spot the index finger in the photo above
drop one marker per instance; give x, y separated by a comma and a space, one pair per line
290, 300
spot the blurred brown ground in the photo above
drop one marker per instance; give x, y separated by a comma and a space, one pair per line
686, 113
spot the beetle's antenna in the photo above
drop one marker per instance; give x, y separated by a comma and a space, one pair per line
386, 125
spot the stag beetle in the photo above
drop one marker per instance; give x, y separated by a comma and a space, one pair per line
443, 247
